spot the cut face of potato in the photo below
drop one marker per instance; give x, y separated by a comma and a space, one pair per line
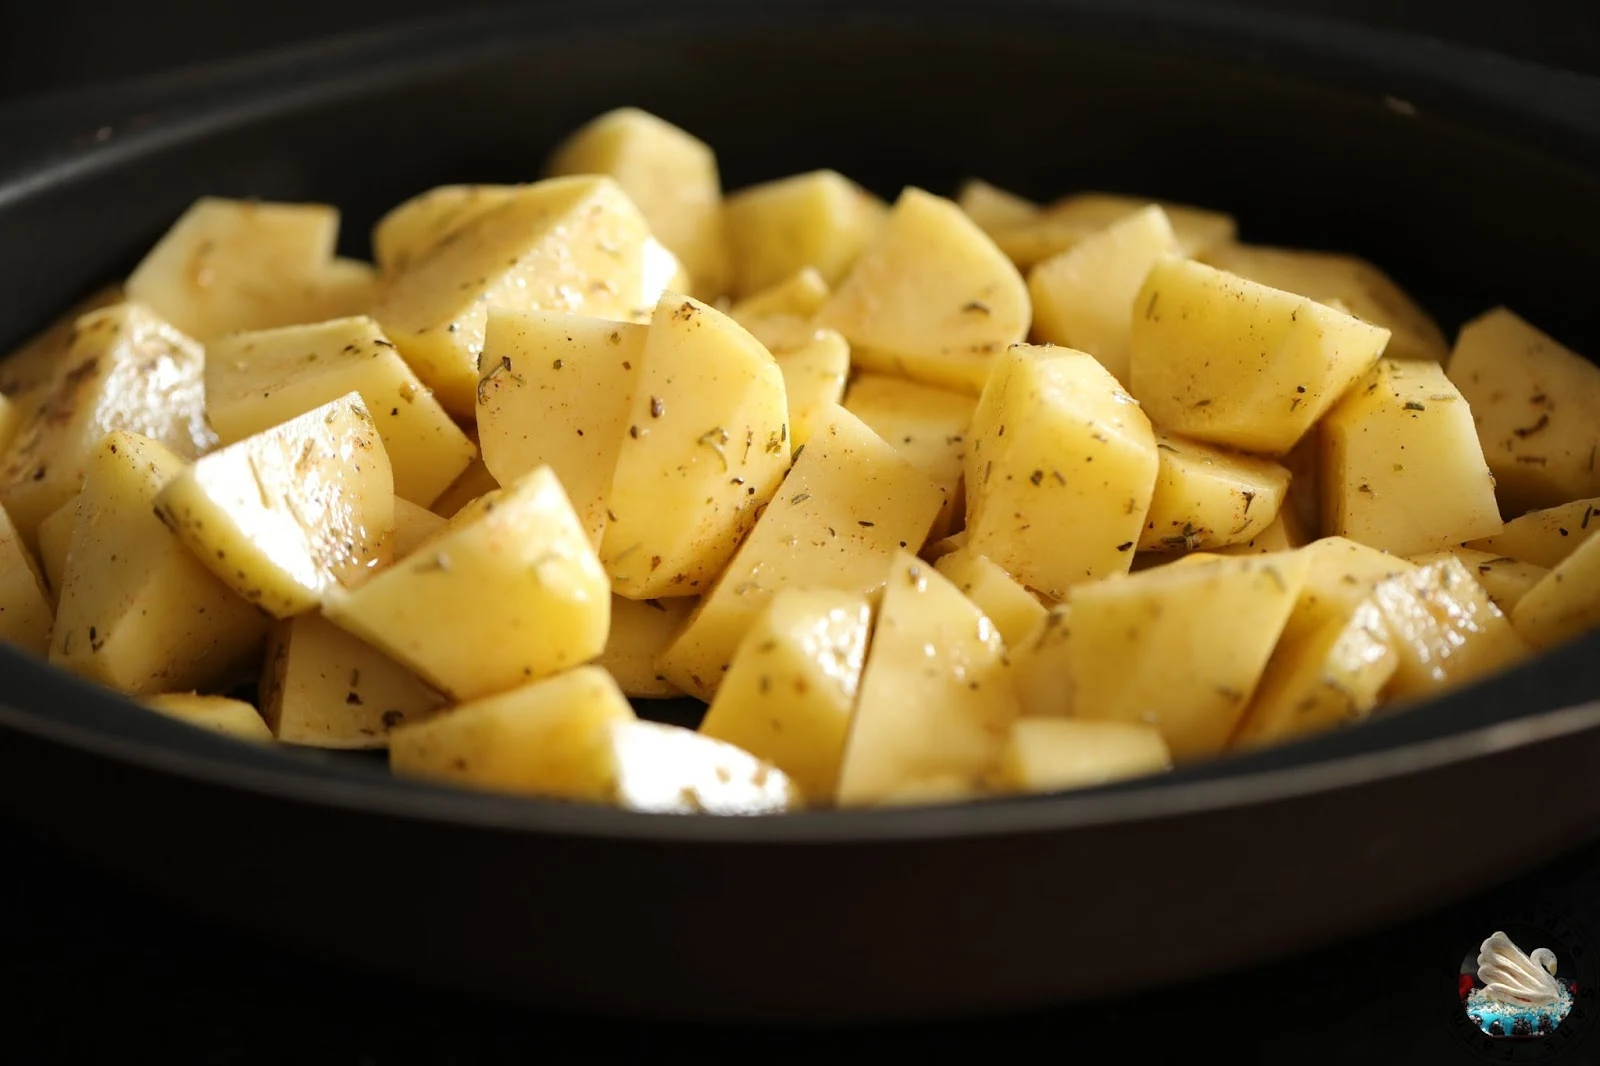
413, 527
1056, 754
925, 424
1012, 608
1041, 668
1279, 535
664, 769
1505, 579
409, 232
993, 208
1225, 360
931, 299
782, 317
474, 483
230, 717
1565, 603
1209, 498
1401, 465
1065, 223
36, 362
813, 380
640, 631
1445, 629
821, 220
55, 537
1545, 537
25, 613
288, 515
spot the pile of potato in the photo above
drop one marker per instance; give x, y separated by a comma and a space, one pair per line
926, 501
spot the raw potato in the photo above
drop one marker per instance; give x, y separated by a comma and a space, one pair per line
938, 549
1060, 470
258, 380
931, 299
1505, 579
10, 422
474, 483
993, 208
1011, 608
813, 381
664, 769
782, 317
1083, 298
791, 689
640, 631
1041, 667
230, 717
1445, 629
55, 537
410, 231
925, 424
289, 515
138, 611
848, 504
1537, 408
1064, 223
1565, 603
821, 220
936, 699
510, 592
557, 391
25, 614
35, 363
1056, 754
1225, 360
1401, 466
1208, 497
1545, 537
708, 423
413, 527
1281, 534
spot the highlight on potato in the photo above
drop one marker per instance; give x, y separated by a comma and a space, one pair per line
924, 499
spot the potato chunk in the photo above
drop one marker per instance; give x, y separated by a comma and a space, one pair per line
474, 483
1545, 537
1505, 579
138, 611
640, 631
1060, 470
1060, 226
35, 362
1225, 360
992, 207
1013, 609
1445, 629
1208, 498
1057, 754
289, 515
790, 691
821, 220
814, 377
25, 613
782, 317
413, 229
1041, 666
925, 424
1565, 603
1401, 466
936, 699
511, 591
413, 527
230, 717
665, 769
1537, 408
55, 537
931, 298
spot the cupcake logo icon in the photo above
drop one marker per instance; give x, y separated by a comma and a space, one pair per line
1517, 995
1528, 992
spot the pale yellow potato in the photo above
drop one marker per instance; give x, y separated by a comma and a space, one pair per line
474, 483
1445, 629
1181, 648
814, 377
1083, 298
557, 391
138, 611
1537, 408
640, 631
221, 714
927, 425
936, 699
323, 688
1064, 223
1057, 754
821, 220
55, 537
413, 229
26, 616
126, 369
1281, 534
1011, 608
343, 288
413, 527
261, 379
1506, 580
790, 691
847, 505
665, 769
931, 299
35, 362
935, 550
1401, 465
10, 421
1304, 463
1565, 603
1544, 537
1041, 667
1356, 286
673, 178
1222, 359
781, 317
1060, 469
1208, 497
708, 423
993, 208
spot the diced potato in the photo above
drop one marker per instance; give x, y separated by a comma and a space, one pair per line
413, 527
927, 425
1225, 360
848, 503
1083, 298
1545, 537
557, 391
1402, 469
821, 220
1565, 603
790, 691
640, 631
1361, 290
230, 717
1056, 754
35, 363
1208, 497
1011, 608
1535, 404
1341, 575
25, 613
938, 549
126, 369
813, 381
343, 288
670, 174
138, 611
931, 298
1041, 668
512, 591
1181, 648
708, 423
1281, 534
1066, 222
781, 317
1445, 629
261, 379
1505, 579
993, 208
1060, 470
664, 769
935, 700
323, 688
474, 483
412, 230
55, 537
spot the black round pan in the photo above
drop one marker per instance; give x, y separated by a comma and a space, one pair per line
1473, 179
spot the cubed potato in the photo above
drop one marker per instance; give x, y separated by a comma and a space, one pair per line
1505, 579
557, 391
1535, 404
1207, 497
323, 688
931, 299
1281, 534
821, 220
1041, 668
665, 769
813, 381
474, 483
673, 178
1565, 603
640, 631
781, 317
343, 288
936, 699
927, 425
1060, 470
1445, 629
1083, 298
708, 423
791, 689
847, 505
138, 611
1222, 359
1181, 648
35, 362
1545, 537
1064, 223
512, 591
1012, 608
993, 208
413, 229
221, 714
261, 379
413, 527
1359, 288
126, 369
1057, 754
55, 537
25, 613
1401, 465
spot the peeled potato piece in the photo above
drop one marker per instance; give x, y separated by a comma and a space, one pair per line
35, 362
1565, 602
1505, 579
820, 221
1445, 629
25, 612
782, 316
55, 537
230, 717
640, 631
992, 207
414, 228
1063, 224
814, 378
927, 425
1013, 609
1208, 497
1544, 537
1041, 666
1057, 754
